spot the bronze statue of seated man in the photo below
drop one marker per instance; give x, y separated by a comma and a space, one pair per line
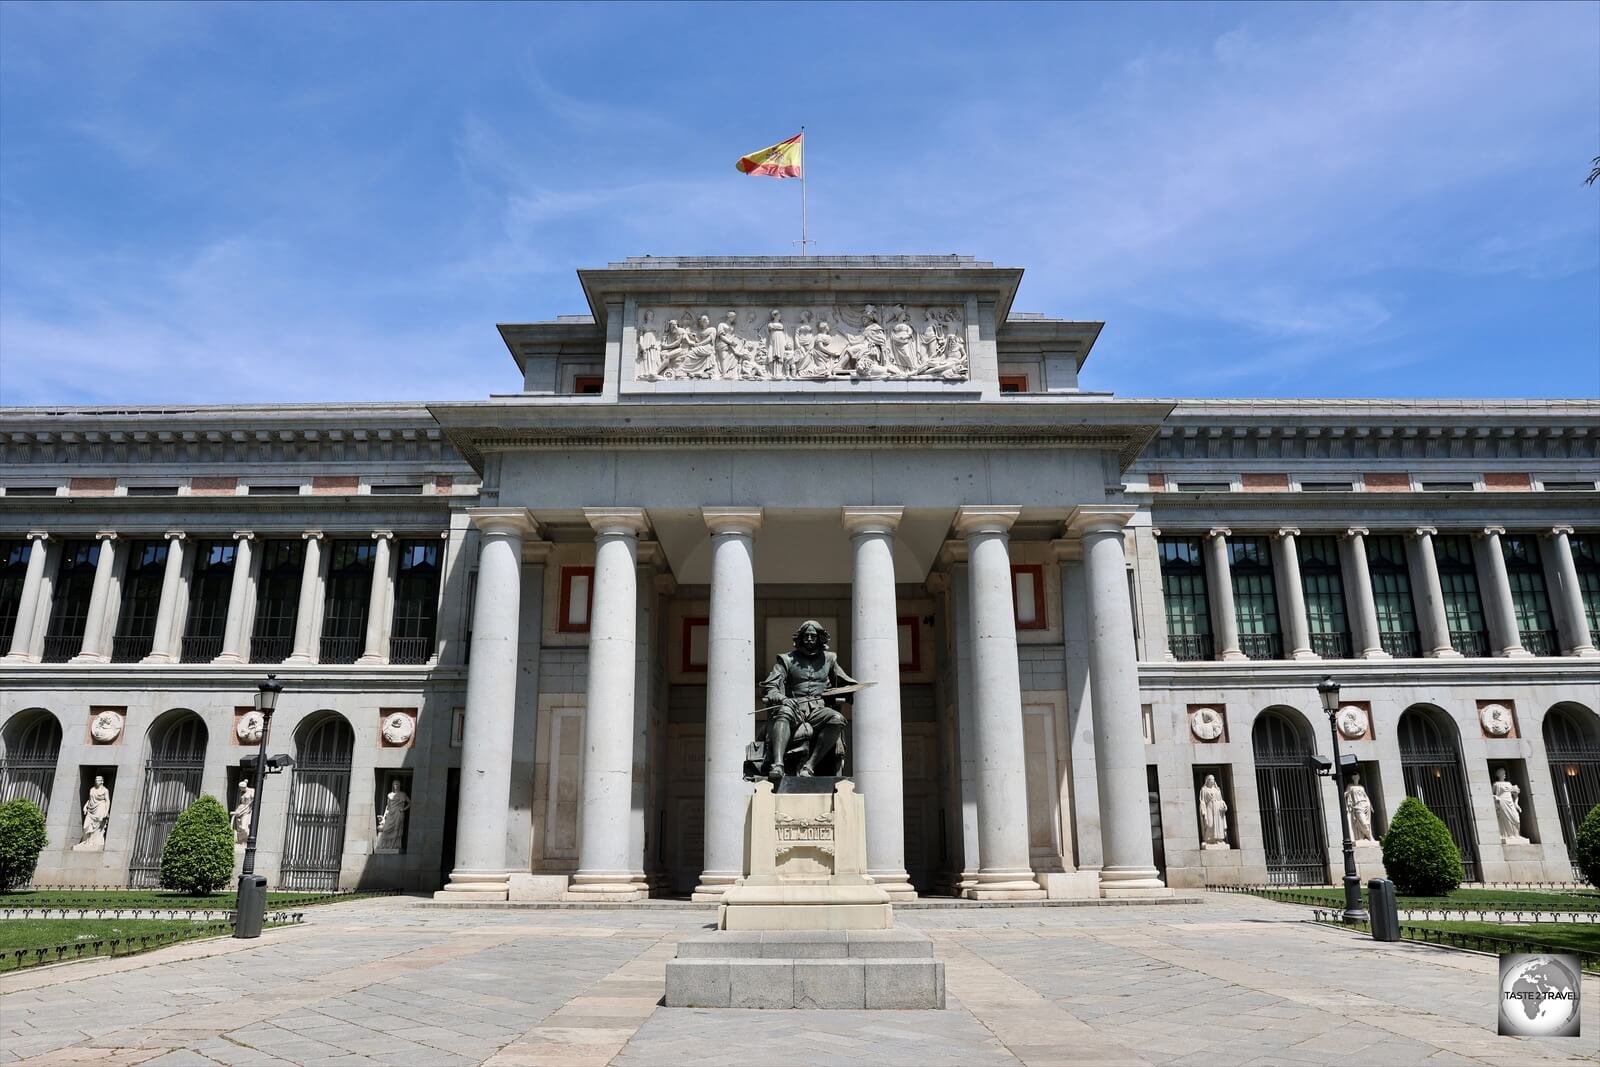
799, 710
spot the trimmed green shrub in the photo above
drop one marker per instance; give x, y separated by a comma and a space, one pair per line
22, 838
1586, 846
198, 856
1418, 853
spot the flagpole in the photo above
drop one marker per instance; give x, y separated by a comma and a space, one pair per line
805, 245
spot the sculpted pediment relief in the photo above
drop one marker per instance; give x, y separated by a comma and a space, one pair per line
863, 342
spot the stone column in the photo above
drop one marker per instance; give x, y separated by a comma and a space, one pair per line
1502, 612
1435, 623
1292, 594
482, 810
875, 721
966, 716
241, 590
380, 601
730, 693
1129, 861
1219, 577
1075, 620
33, 584
1368, 638
1580, 642
99, 624
306, 647
605, 870
646, 654
164, 649
1005, 871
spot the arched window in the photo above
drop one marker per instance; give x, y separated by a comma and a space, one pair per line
1291, 802
1431, 764
319, 797
1572, 744
174, 763
28, 750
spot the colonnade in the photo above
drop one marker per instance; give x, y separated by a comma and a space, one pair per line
1428, 594
991, 724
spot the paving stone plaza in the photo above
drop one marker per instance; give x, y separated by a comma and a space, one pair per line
1214, 980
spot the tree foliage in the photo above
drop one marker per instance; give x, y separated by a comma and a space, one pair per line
1586, 846
22, 838
198, 856
1418, 853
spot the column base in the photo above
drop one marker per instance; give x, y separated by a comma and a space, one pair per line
1132, 883
597, 888
712, 886
1446, 652
17, 657
229, 657
1582, 652
1516, 653
1303, 653
298, 657
896, 883
1375, 653
370, 659
159, 657
89, 657
1233, 655
1018, 884
469, 886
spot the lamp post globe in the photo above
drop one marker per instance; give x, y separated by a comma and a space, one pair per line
1328, 691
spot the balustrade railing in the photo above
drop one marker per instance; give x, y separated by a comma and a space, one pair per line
410, 650
58, 648
1331, 646
1190, 646
1261, 646
197, 649
131, 648
1541, 642
270, 649
341, 649
1470, 642
1402, 644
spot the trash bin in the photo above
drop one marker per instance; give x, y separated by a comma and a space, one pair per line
1383, 910
252, 906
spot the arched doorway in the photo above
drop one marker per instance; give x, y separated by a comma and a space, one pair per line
1431, 763
1291, 802
174, 763
28, 750
1572, 744
313, 845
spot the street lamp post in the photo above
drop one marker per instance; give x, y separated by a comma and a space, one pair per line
251, 906
1328, 690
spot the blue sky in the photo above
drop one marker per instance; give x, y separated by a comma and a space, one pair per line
256, 203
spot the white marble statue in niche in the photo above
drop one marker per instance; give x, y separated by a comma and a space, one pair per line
1213, 815
873, 345
96, 813
1359, 807
1508, 809
392, 823
240, 816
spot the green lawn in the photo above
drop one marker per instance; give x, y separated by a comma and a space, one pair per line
1509, 899
156, 898
32, 934
1581, 938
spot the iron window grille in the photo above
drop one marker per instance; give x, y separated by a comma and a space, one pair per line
28, 759
1290, 796
69, 606
1391, 596
1255, 597
1183, 592
141, 601
1586, 559
1573, 749
1431, 766
13, 572
416, 602
1529, 598
1470, 642
210, 588
344, 616
277, 601
1463, 604
1322, 582
1331, 646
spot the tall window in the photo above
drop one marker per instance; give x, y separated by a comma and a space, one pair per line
277, 600
416, 602
1320, 577
1391, 594
1463, 607
1586, 557
141, 600
13, 571
209, 590
1255, 597
344, 615
1529, 599
69, 602
1183, 589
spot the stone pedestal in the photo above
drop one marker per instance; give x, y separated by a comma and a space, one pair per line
892, 969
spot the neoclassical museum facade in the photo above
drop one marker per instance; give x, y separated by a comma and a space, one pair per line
1091, 622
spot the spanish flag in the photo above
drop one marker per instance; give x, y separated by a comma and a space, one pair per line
781, 160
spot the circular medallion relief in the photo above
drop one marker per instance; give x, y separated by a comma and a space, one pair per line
106, 727
250, 727
1352, 722
1206, 723
398, 728
1496, 719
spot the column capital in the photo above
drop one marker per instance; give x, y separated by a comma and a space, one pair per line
1493, 531
1098, 518
1219, 531
383, 535
311, 535
984, 518
105, 535
1068, 549
244, 535
38, 535
1555, 531
175, 535
1425, 531
629, 522
536, 552
1288, 531
737, 521
504, 522
871, 520
1357, 531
